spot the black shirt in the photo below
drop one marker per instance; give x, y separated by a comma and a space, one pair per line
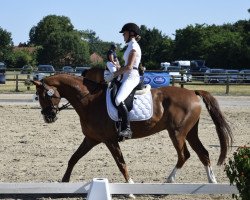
110, 52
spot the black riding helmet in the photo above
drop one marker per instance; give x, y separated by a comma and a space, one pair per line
131, 27
113, 46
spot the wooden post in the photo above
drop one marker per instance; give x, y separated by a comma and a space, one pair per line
17, 83
28, 86
227, 85
173, 81
182, 79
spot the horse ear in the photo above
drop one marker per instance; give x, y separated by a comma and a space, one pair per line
36, 83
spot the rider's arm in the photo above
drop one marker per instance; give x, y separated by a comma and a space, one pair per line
129, 66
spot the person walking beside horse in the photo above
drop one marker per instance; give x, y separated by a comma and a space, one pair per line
131, 77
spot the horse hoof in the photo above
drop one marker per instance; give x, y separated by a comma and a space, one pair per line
170, 180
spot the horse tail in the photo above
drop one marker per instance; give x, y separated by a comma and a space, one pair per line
222, 127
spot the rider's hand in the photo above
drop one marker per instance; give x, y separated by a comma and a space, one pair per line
109, 77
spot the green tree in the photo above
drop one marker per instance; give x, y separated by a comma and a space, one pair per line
19, 58
243, 27
188, 43
62, 48
59, 43
221, 46
6, 44
49, 24
156, 47
96, 45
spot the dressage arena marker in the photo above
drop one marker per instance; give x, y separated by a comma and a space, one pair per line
100, 187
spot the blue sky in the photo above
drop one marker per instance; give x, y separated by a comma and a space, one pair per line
107, 17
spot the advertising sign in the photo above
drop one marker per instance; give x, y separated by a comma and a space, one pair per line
156, 79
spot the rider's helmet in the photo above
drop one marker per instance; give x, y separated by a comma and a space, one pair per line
113, 46
131, 27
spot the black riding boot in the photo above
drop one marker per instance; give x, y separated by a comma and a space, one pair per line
125, 127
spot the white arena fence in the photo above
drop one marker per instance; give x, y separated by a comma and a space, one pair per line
100, 188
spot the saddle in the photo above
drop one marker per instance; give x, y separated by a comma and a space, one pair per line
115, 85
139, 103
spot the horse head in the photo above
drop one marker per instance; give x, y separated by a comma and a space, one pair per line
49, 99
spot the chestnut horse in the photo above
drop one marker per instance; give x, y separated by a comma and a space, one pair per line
175, 109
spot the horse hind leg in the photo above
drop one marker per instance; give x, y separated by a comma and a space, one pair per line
182, 151
84, 148
202, 153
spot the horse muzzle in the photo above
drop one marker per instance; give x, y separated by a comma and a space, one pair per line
49, 114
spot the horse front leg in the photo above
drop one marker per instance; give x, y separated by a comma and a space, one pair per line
84, 148
116, 152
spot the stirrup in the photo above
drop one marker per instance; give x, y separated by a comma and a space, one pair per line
127, 133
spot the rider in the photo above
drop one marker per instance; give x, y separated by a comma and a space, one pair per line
113, 62
131, 78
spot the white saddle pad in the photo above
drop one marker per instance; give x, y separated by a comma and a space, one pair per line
142, 107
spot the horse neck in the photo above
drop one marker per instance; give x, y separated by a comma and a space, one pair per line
78, 94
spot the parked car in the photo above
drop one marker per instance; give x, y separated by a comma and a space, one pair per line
245, 75
199, 75
2, 73
68, 69
215, 76
234, 75
175, 73
43, 71
196, 65
2, 68
26, 69
80, 70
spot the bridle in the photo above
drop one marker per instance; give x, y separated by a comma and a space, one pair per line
49, 95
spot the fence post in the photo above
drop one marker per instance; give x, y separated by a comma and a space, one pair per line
182, 79
227, 85
17, 83
28, 86
173, 81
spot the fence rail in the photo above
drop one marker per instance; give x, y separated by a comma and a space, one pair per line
102, 189
197, 80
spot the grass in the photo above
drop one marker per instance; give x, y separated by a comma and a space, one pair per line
10, 86
234, 90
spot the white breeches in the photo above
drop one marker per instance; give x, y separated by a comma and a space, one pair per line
129, 82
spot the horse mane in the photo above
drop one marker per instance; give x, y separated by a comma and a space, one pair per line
95, 74
72, 74
53, 78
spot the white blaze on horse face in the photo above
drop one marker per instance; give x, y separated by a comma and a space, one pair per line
171, 177
210, 174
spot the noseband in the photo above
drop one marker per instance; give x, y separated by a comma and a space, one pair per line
50, 93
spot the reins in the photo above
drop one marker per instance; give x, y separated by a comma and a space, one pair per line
64, 106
